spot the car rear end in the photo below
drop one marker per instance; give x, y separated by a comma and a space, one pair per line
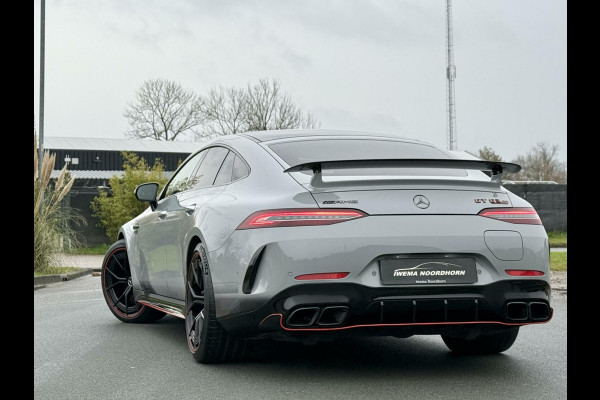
390, 249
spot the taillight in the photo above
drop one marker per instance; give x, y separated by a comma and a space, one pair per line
299, 217
523, 272
517, 215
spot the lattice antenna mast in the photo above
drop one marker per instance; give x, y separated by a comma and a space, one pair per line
450, 77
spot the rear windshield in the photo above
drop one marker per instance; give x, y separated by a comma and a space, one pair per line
300, 152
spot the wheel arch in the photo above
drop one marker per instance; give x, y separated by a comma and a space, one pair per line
194, 241
193, 238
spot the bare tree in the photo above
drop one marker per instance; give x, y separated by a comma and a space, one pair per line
487, 153
541, 164
163, 110
224, 110
259, 107
268, 108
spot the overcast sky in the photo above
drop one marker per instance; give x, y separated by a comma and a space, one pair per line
362, 65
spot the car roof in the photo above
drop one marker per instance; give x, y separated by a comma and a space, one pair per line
266, 136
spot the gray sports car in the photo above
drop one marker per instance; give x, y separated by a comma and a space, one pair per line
309, 235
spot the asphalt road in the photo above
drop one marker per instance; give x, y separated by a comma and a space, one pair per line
82, 352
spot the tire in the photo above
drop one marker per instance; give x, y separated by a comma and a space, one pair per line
214, 344
484, 344
117, 288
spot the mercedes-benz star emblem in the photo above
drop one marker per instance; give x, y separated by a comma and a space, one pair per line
421, 201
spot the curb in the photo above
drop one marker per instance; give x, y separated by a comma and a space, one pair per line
41, 281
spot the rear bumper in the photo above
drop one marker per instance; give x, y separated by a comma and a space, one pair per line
355, 247
351, 308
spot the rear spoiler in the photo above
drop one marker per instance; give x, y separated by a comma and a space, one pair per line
496, 167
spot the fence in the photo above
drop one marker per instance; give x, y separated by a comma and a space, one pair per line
550, 202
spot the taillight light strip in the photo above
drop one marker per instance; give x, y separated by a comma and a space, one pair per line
299, 217
517, 215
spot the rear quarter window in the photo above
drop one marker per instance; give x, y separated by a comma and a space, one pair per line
206, 174
240, 169
224, 175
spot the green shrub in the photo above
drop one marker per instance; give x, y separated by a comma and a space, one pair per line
118, 207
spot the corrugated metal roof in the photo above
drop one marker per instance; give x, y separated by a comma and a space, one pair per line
110, 144
83, 174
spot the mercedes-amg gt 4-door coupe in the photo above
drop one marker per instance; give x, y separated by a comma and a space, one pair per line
308, 235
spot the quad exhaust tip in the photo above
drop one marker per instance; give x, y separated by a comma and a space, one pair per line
304, 316
516, 310
333, 315
522, 311
539, 311
327, 316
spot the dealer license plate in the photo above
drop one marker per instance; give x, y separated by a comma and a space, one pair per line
427, 271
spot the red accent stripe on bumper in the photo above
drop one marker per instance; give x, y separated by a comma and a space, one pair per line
339, 328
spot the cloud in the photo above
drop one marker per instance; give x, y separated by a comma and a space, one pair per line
338, 118
374, 65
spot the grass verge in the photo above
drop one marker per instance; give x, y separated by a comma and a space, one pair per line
93, 250
557, 239
558, 261
55, 271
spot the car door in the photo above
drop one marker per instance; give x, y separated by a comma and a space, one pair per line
181, 219
151, 234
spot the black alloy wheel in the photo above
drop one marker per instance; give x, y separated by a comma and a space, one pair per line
207, 340
194, 303
117, 287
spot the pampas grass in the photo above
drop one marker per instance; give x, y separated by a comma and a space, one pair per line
50, 220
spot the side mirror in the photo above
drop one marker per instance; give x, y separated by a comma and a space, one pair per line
147, 192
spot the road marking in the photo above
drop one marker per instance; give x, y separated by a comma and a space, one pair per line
68, 302
75, 291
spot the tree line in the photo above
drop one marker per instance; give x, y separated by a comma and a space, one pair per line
540, 163
164, 110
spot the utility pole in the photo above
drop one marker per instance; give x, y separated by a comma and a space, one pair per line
42, 62
450, 77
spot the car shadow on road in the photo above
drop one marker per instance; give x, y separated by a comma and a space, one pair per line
366, 356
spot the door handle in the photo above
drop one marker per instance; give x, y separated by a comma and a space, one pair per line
136, 228
162, 214
190, 209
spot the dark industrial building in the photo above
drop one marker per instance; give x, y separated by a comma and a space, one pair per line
93, 161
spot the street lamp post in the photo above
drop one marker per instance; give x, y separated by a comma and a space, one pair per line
450, 77
42, 62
